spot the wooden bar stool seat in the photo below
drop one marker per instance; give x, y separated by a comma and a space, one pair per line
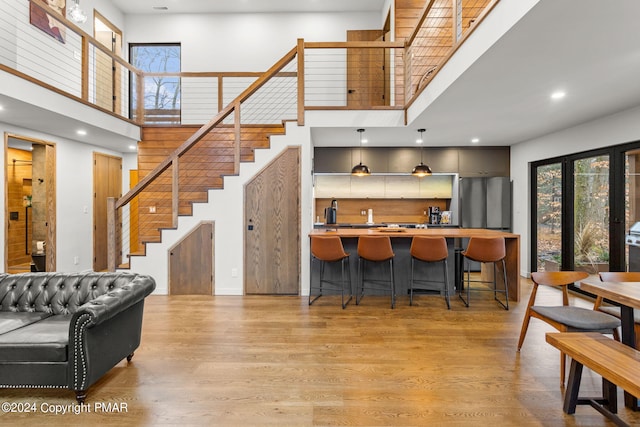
429, 250
329, 249
375, 249
486, 250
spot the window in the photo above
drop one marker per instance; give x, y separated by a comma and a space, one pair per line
161, 90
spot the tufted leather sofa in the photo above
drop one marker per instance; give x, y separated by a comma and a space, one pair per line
62, 330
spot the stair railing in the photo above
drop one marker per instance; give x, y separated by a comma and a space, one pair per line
119, 221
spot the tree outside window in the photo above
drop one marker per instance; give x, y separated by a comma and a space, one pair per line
161, 93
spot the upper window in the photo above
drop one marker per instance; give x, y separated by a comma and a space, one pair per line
161, 89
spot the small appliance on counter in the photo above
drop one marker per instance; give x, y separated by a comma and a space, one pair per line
434, 215
331, 213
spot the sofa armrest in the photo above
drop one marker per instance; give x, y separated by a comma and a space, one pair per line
116, 318
115, 301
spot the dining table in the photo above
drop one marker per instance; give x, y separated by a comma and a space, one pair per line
627, 295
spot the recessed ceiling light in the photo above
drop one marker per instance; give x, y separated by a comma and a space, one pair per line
365, 140
1, 108
475, 140
558, 95
81, 132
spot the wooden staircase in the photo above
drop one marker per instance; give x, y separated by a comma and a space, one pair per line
202, 168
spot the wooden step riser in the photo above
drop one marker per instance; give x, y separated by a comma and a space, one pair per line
202, 168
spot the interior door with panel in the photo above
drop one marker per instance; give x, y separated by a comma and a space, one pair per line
367, 72
272, 227
107, 182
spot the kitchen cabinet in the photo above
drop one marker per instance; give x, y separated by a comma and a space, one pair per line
367, 187
436, 187
484, 162
401, 187
384, 187
333, 186
465, 161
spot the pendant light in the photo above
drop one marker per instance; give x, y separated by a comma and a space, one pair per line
421, 169
360, 169
76, 14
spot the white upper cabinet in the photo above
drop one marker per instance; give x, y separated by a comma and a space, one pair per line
384, 187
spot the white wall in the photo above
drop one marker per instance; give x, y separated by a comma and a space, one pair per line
616, 129
242, 42
74, 197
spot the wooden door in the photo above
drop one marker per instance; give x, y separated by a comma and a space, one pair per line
272, 227
191, 263
108, 78
50, 211
107, 182
366, 85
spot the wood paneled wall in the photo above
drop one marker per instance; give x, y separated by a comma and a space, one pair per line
18, 186
202, 168
384, 210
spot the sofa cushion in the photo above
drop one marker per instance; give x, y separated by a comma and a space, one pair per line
10, 320
43, 341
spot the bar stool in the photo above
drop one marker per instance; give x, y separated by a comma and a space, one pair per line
429, 250
375, 249
486, 250
329, 249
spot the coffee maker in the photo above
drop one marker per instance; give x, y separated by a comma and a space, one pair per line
434, 215
331, 213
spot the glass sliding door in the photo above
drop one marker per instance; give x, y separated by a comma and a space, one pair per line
548, 217
582, 208
631, 205
591, 214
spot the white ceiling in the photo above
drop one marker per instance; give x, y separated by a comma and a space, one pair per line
587, 48
247, 6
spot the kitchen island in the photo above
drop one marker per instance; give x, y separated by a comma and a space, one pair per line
401, 242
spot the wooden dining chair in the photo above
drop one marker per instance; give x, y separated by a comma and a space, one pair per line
565, 318
619, 276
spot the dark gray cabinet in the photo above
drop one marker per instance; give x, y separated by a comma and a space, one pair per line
484, 162
468, 162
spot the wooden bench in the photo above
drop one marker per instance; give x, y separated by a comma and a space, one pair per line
617, 363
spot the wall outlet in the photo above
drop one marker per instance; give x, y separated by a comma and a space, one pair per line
234, 272
152, 209
76, 260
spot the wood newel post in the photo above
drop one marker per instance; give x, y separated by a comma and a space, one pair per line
85, 69
300, 82
175, 192
220, 93
140, 95
236, 146
112, 250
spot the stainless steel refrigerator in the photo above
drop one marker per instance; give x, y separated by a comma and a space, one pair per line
485, 203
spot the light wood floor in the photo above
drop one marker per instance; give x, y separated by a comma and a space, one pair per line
274, 361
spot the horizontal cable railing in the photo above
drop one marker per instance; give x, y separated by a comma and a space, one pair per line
354, 75
442, 28
173, 181
361, 75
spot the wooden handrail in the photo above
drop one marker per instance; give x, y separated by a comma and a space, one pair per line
423, 16
345, 45
206, 128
